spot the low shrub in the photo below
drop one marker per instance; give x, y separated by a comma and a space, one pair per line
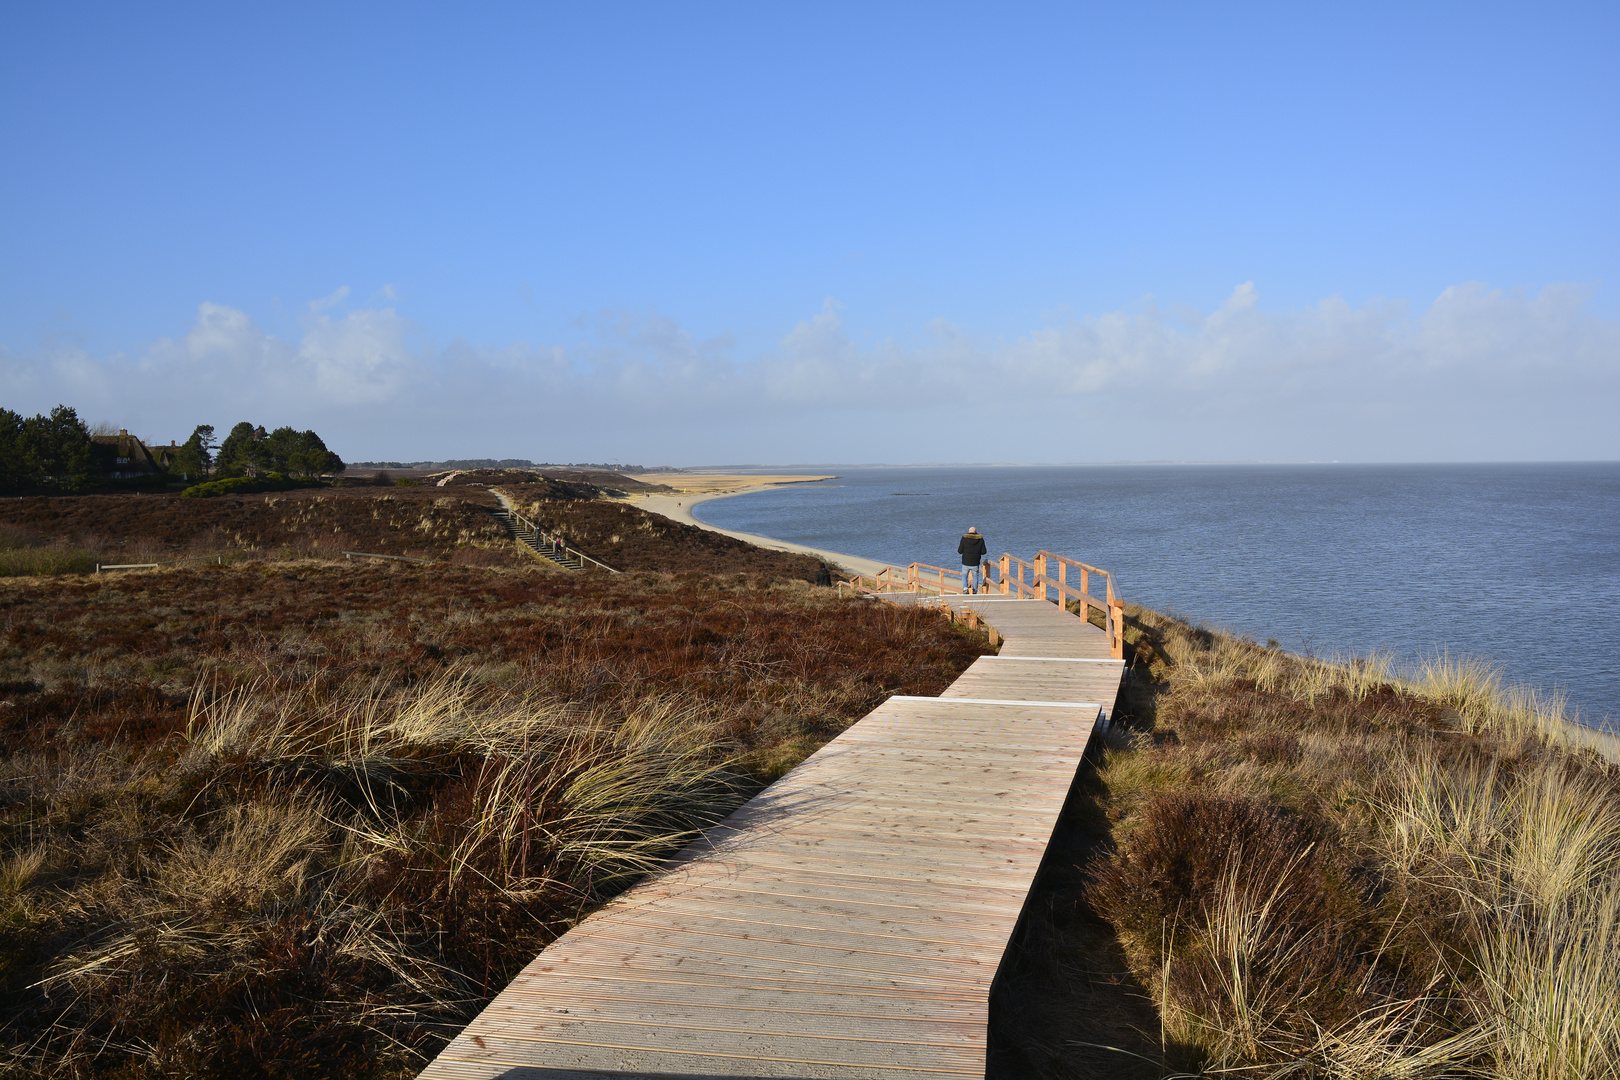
25, 553
30, 561
249, 485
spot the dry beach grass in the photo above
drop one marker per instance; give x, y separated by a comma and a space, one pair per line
1317, 869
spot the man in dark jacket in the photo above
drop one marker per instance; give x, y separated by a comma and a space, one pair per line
972, 550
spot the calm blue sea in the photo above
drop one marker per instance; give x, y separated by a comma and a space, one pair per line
1517, 564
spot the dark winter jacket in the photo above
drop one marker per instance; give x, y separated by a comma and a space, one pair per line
971, 549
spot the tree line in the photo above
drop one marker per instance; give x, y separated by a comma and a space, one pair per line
57, 452
248, 450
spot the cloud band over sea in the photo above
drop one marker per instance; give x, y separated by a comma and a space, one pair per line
1480, 374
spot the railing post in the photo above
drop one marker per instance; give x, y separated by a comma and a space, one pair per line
942, 581
1006, 568
1085, 595
1040, 577
1063, 585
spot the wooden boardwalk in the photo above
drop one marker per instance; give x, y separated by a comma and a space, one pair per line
846, 923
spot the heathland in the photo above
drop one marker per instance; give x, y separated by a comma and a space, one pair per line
274, 811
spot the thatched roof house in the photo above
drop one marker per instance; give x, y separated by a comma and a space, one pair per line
123, 456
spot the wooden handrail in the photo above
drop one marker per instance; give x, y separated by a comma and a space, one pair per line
915, 582
1010, 573
556, 540
1015, 577
1113, 607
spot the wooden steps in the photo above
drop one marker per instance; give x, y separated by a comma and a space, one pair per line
849, 921
546, 548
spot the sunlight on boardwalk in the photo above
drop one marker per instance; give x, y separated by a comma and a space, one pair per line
847, 922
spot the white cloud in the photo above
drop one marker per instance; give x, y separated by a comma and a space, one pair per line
1481, 373
326, 303
363, 358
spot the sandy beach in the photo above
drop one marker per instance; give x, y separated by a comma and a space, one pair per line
700, 488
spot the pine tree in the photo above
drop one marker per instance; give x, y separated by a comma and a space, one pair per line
195, 455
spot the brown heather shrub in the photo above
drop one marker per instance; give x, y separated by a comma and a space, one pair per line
629, 538
1185, 846
420, 523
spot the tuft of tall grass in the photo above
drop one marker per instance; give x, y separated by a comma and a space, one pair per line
338, 854
1530, 860
44, 560
554, 786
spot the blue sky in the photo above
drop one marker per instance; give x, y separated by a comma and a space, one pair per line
725, 233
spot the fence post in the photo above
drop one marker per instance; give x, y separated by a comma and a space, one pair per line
1040, 577
1085, 595
1006, 568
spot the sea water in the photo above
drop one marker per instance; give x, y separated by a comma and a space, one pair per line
1518, 565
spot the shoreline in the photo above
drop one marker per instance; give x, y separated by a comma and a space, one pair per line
678, 507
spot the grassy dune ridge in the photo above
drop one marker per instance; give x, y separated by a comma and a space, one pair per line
1318, 869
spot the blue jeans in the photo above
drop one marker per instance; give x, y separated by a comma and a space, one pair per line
970, 579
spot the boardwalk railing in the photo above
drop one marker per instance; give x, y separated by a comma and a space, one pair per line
916, 578
558, 546
1046, 577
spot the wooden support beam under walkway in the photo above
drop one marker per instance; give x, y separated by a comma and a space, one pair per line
849, 921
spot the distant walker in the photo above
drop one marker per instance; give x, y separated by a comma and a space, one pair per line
972, 550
